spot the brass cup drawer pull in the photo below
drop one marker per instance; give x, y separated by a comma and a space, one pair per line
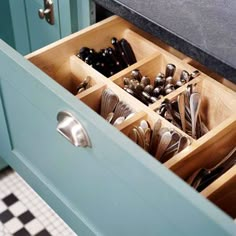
69, 127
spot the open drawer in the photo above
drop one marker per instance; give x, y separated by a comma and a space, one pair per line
108, 185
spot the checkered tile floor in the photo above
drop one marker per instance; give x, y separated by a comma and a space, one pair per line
24, 213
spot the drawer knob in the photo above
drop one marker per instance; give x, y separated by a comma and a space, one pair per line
47, 12
69, 127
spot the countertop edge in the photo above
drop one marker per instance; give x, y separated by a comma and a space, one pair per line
172, 39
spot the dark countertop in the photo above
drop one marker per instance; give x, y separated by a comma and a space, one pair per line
204, 30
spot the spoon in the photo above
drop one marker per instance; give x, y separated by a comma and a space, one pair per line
109, 117
130, 115
172, 148
133, 135
141, 137
109, 101
137, 136
163, 144
183, 143
147, 133
195, 103
121, 109
119, 120
144, 124
181, 107
154, 137
189, 91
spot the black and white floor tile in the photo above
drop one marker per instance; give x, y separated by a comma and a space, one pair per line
24, 213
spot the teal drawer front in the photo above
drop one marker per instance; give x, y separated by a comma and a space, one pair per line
113, 188
3, 164
5, 144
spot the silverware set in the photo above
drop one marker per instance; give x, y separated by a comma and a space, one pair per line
161, 142
140, 86
85, 84
203, 177
114, 110
184, 112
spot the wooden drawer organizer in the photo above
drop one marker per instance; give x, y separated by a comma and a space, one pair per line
58, 60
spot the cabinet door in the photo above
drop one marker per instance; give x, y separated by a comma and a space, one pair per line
41, 32
31, 32
110, 188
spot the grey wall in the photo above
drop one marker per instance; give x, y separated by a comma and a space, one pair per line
6, 32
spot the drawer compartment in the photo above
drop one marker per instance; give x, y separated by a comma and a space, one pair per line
135, 193
222, 192
151, 69
216, 105
152, 141
54, 59
204, 155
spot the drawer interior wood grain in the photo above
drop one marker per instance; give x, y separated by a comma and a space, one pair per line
222, 192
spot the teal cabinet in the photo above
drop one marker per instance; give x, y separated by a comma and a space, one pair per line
3, 164
6, 32
31, 33
111, 188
